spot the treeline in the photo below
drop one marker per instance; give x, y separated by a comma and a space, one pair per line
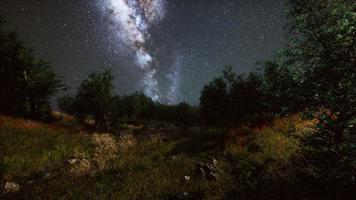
28, 85
316, 70
95, 99
315, 75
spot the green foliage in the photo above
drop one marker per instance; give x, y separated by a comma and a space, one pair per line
186, 115
264, 160
66, 104
230, 98
137, 106
323, 45
283, 86
94, 99
28, 147
287, 158
27, 84
314, 73
213, 101
143, 167
181, 115
254, 163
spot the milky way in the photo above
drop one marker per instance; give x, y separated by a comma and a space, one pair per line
174, 94
166, 48
132, 20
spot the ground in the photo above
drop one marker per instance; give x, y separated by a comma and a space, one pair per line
53, 161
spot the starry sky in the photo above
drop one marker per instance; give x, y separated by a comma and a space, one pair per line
186, 47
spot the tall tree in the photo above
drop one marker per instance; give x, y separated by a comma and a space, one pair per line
230, 98
323, 45
95, 98
26, 83
214, 102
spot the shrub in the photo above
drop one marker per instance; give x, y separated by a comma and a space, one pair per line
263, 159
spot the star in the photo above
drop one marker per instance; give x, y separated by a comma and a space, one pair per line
80, 37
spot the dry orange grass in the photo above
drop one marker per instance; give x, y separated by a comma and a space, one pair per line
59, 125
294, 125
126, 142
62, 116
279, 141
20, 123
105, 151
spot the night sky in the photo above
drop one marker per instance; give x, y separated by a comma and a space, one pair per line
169, 51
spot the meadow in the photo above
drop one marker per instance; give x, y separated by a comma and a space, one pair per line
53, 161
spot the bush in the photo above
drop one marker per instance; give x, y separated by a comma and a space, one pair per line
264, 159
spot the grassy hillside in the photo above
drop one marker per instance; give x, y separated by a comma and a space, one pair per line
52, 162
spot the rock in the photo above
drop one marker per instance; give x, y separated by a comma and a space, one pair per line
215, 162
11, 187
207, 170
46, 175
187, 178
72, 161
183, 195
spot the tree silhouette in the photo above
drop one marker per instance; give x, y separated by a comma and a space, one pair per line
27, 84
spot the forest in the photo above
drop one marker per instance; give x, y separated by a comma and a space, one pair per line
286, 130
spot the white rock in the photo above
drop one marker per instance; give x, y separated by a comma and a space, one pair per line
11, 187
215, 162
187, 178
72, 161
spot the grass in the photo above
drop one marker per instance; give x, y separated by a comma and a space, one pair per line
182, 164
28, 146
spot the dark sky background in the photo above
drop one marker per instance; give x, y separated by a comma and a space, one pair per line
191, 44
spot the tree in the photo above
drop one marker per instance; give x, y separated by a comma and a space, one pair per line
41, 84
27, 84
185, 115
230, 98
94, 99
246, 97
283, 86
139, 106
322, 47
214, 102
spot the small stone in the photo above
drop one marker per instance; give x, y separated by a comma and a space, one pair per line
215, 162
187, 178
46, 175
202, 171
72, 161
11, 187
183, 195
